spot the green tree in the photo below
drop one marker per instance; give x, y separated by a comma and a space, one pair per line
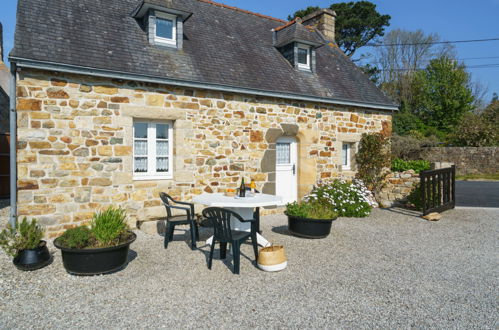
303, 12
475, 130
442, 94
357, 23
372, 72
404, 122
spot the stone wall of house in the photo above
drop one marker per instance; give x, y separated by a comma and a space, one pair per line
398, 185
75, 143
468, 160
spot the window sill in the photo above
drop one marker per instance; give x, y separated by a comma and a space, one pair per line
165, 43
152, 177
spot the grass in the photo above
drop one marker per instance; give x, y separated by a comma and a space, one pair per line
493, 176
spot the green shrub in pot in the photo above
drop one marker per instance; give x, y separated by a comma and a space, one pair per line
100, 248
26, 235
310, 210
108, 228
24, 243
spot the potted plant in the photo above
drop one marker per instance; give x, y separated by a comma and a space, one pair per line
99, 248
310, 219
24, 243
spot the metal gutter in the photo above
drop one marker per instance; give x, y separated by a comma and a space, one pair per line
50, 66
13, 145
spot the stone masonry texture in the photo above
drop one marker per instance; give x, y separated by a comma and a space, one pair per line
75, 144
468, 160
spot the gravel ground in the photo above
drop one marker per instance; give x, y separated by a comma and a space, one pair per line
391, 270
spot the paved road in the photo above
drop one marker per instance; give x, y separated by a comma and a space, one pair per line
477, 193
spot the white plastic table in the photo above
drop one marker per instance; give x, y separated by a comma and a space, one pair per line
242, 206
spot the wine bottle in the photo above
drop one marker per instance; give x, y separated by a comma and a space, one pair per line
242, 189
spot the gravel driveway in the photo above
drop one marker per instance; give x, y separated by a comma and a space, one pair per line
391, 270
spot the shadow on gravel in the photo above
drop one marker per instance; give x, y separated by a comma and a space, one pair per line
131, 256
406, 212
283, 230
228, 261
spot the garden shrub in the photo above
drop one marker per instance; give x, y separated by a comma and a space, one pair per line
399, 165
475, 130
348, 199
311, 210
109, 225
373, 156
411, 147
108, 228
24, 235
76, 238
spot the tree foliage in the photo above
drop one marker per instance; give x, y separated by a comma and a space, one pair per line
478, 130
303, 12
442, 94
357, 23
408, 52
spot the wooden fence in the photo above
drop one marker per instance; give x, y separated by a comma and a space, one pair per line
438, 189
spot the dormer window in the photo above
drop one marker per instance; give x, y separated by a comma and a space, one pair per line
163, 22
304, 53
298, 45
166, 29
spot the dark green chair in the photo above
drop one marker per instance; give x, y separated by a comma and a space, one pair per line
220, 218
173, 220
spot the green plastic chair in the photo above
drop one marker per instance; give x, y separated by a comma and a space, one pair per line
172, 221
220, 218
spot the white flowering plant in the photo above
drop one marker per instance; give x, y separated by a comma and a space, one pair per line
348, 199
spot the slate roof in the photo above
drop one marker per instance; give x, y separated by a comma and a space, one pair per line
298, 32
222, 46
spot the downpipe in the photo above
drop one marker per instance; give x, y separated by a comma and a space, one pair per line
13, 145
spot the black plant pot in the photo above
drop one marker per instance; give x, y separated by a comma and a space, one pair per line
95, 261
309, 228
33, 259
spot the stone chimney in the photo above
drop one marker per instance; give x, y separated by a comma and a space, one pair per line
324, 21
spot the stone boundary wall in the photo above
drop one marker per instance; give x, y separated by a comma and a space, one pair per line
468, 160
398, 185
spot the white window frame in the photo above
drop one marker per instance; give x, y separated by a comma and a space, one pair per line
166, 41
306, 66
348, 165
152, 173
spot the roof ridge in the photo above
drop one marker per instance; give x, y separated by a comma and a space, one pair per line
243, 10
279, 28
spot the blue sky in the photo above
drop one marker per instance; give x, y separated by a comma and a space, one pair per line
452, 19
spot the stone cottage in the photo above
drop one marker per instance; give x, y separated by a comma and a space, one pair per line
119, 100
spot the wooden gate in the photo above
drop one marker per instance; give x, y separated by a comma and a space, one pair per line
438, 189
4, 165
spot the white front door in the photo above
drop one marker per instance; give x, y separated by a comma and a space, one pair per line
286, 169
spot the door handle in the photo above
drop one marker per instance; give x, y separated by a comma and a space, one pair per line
294, 169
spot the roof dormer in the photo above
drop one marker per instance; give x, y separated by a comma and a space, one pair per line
297, 43
163, 22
